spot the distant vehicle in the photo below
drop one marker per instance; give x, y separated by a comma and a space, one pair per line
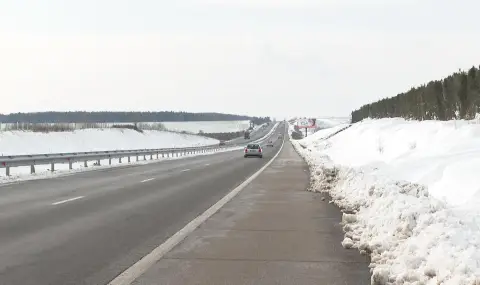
246, 135
221, 143
253, 149
270, 143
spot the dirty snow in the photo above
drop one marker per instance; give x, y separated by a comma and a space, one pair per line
410, 194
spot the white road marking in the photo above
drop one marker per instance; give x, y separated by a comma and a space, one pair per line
129, 275
68, 200
207, 164
146, 180
185, 170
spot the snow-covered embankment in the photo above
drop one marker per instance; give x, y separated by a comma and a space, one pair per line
410, 196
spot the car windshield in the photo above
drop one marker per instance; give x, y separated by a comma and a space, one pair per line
253, 146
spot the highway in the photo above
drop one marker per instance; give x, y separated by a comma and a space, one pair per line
88, 227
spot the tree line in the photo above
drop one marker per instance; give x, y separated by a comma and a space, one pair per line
124, 117
454, 97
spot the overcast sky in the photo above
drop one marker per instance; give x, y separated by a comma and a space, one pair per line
259, 57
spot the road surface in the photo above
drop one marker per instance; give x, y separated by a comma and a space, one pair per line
89, 227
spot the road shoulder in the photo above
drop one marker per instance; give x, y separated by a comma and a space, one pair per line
273, 232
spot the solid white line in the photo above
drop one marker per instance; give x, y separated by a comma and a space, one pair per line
136, 270
207, 164
185, 170
146, 180
68, 200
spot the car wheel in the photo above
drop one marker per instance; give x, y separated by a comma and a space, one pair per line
261, 156
245, 156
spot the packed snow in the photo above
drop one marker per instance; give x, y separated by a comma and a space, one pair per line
409, 192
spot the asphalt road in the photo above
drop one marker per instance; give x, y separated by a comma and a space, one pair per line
89, 227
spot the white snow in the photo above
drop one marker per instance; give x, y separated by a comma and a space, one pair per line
20, 142
328, 122
410, 192
208, 126
191, 127
23, 142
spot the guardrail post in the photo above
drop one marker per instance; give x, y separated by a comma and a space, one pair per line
144, 157
85, 164
177, 154
7, 170
119, 160
70, 164
151, 156
32, 169
98, 162
163, 155
129, 159
157, 155
109, 161
137, 157
52, 167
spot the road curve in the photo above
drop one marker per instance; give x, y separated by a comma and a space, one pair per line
89, 227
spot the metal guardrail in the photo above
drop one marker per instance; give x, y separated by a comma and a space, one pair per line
55, 158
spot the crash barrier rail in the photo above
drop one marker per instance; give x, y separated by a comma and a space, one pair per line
74, 157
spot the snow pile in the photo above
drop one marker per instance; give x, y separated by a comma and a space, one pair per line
19, 142
410, 194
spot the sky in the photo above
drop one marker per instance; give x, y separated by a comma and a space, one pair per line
279, 58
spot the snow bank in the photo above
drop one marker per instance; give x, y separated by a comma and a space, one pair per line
410, 196
19, 142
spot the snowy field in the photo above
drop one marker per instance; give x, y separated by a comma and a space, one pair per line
208, 127
191, 127
410, 192
19, 142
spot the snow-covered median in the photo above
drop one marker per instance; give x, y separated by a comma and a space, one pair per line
410, 196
